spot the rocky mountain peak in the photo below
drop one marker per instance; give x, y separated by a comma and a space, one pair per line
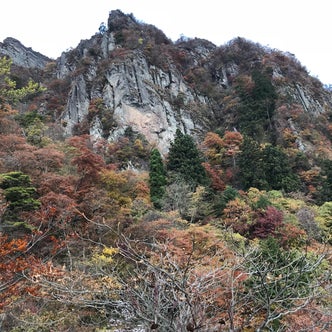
154, 86
117, 20
132, 76
22, 56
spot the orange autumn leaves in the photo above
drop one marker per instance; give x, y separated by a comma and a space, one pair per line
221, 153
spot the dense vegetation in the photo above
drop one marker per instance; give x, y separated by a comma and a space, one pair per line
232, 233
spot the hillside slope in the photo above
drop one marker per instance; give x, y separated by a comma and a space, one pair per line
147, 185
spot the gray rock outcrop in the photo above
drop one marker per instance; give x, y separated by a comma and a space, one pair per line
21, 55
151, 100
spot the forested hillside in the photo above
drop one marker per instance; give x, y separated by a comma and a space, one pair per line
147, 185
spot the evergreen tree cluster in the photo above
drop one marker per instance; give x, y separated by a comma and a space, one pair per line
19, 194
265, 167
258, 105
184, 163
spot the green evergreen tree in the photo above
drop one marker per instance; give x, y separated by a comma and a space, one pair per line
157, 178
251, 173
258, 104
325, 193
19, 193
277, 170
14, 179
185, 160
265, 168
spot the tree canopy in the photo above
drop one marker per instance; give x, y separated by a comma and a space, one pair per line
185, 159
9, 93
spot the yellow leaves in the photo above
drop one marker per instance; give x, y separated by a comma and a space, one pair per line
105, 256
310, 176
128, 191
116, 183
217, 148
138, 145
196, 202
108, 282
8, 91
324, 219
113, 179
110, 251
289, 137
5, 65
254, 194
237, 209
291, 205
213, 146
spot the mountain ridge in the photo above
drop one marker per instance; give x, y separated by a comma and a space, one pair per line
22, 55
154, 85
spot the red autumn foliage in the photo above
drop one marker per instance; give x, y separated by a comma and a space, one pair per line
14, 260
215, 174
88, 163
48, 159
57, 210
267, 223
16, 154
291, 236
61, 184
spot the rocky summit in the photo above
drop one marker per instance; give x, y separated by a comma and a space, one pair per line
141, 79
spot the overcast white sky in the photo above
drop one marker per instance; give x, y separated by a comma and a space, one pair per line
301, 27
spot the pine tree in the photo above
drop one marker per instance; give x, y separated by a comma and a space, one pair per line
325, 193
258, 104
18, 192
277, 170
265, 168
185, 160
9, 93
251, 172
157, 178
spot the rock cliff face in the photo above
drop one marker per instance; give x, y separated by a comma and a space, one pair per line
138, 96
155, 86
133, 76
150, 100
21, 55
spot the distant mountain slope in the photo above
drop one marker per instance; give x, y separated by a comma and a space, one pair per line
140, 79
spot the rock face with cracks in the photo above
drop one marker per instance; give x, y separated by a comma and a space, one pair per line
21, 55
138, 96
143, 81
150, 100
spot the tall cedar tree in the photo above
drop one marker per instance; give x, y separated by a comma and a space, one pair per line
185, 160
18, 192
250, 165
157, 178
265, 168
277, 170
325, 193
258, 104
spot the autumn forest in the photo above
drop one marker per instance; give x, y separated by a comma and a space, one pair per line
228, 231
